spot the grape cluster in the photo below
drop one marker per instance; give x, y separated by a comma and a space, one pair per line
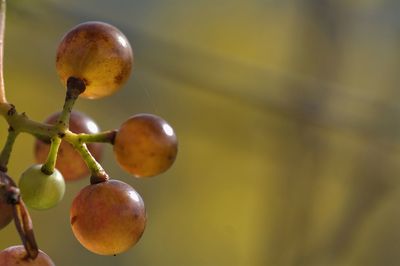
94, 60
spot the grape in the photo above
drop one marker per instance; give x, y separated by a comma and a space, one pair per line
6, 211
97, 53
145, 145
108, 218
41, 191
17, 256
69, 161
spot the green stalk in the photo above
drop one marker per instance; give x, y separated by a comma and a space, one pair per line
21, 123
78, 141
98, 174
103, 137
50, 164
61, 126
63, 120
74, 88
6, 152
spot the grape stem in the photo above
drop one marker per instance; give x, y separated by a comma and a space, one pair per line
74, 88
98, 174
23, 223
50, 164
22, 219
2, 27
21, 123
105, 137
6, 152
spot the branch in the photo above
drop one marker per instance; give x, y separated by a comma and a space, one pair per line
2, 27
8, 146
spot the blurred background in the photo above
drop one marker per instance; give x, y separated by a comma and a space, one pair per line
287, 114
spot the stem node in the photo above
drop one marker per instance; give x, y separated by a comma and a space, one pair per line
75, 86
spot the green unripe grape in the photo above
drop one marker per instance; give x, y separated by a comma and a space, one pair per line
41, 191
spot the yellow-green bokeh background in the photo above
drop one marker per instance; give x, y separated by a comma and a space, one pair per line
287, 113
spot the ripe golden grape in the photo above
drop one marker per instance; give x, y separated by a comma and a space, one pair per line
145, 145
98, 54
17, 256
108, 218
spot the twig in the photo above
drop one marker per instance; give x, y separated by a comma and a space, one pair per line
2, 27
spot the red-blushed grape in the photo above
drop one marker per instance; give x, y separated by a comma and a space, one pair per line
108, 218
145, 145
97, 53
69, 161
6, 211
17, 256
39, 190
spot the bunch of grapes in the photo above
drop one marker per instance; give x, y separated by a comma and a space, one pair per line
108, 216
